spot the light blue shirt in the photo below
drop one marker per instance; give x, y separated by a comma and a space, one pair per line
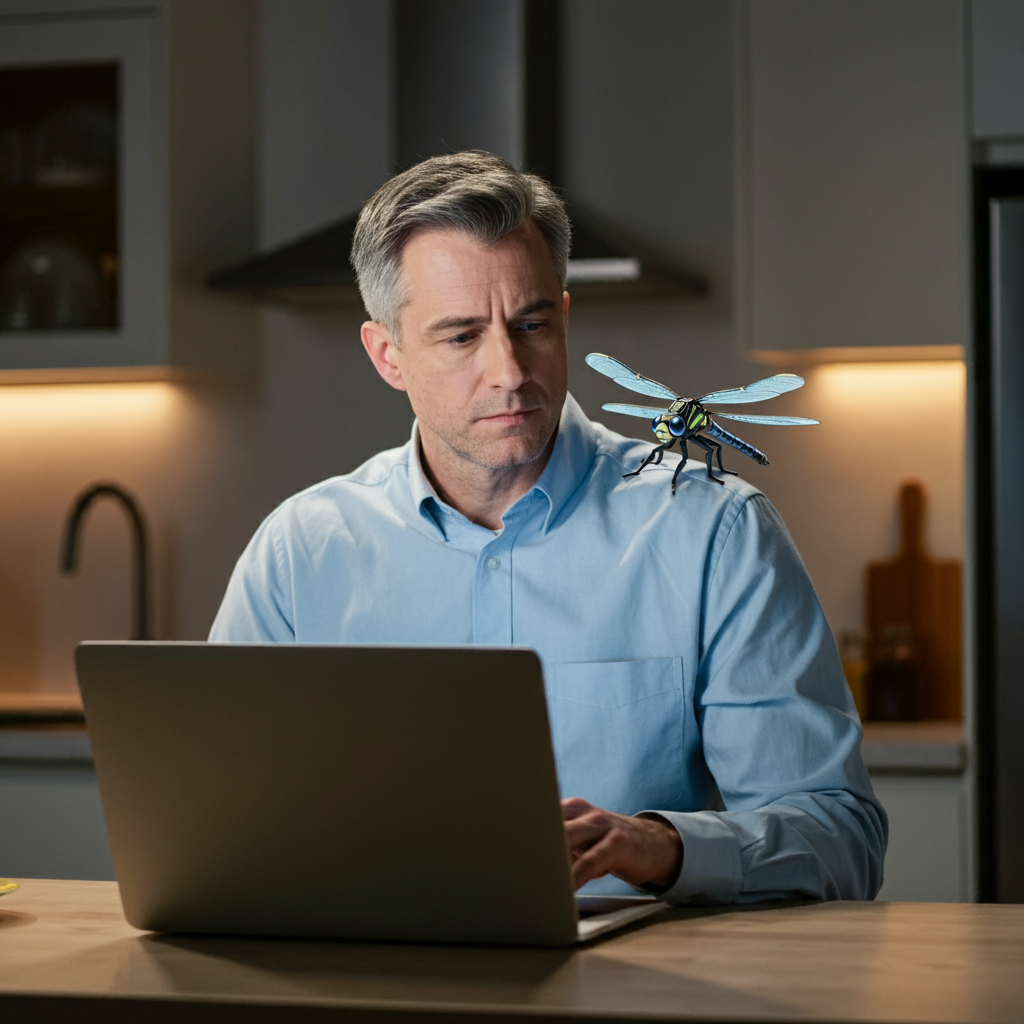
688, 665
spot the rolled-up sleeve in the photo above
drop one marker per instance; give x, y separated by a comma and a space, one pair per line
780, 735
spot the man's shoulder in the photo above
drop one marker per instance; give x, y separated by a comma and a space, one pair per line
364, 486
617, 456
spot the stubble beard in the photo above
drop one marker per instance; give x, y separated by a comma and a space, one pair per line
484, 456
516, 449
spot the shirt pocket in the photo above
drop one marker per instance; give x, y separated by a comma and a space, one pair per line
618, 730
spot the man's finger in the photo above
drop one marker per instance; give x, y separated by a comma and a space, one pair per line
587, 830
574, 807
599, 860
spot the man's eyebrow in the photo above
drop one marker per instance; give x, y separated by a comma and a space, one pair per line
452, 323
535, 307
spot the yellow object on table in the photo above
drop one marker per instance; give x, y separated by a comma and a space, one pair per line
6, 885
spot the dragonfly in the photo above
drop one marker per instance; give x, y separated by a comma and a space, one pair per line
686, 419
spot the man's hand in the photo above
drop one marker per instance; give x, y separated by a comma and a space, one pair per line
640, 851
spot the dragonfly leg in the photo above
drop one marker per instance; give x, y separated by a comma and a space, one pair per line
706, 445
654, 456
675, 475
718, 453
682, 463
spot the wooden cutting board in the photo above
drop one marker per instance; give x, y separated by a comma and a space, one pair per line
925, 593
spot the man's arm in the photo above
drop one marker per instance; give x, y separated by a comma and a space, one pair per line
781, 738
780, 735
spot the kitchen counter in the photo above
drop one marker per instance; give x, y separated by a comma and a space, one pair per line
67, 950
23, 707
930, 747
911, 747
43, 728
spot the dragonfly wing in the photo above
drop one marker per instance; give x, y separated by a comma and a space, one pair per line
622, 374
756, 392
633, 410
775, 421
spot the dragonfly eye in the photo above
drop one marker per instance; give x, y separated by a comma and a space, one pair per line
676, 426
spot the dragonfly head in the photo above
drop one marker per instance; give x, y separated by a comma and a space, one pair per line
667, 427
661, 428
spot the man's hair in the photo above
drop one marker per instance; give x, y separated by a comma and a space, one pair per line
472, 191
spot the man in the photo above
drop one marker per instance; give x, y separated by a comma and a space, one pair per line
705, 738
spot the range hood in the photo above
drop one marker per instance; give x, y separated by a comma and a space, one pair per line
502, 95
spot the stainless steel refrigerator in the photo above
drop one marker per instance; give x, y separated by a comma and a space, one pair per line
998, 428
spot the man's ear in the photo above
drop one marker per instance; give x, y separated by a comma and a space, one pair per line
565, 306
381, 350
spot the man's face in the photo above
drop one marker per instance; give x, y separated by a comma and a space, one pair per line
483, 346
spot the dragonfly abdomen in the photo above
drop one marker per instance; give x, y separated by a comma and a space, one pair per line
715, 431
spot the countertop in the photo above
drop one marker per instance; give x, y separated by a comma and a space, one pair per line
934, 748
43, 728
904, 747
67, 954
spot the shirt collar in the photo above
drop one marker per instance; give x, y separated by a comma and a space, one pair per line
570, 461
424, 497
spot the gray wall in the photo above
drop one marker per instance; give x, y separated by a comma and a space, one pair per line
325, 121
649, 142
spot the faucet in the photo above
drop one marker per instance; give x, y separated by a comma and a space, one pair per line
138, 527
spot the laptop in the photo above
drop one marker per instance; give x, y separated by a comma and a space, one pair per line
343, 792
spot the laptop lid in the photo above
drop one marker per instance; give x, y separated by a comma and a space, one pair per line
330, 791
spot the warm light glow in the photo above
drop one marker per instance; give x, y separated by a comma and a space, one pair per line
888, 384
65, 405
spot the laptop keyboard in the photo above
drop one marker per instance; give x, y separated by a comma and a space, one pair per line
594, 906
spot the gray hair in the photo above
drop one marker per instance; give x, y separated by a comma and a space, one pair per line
472, 191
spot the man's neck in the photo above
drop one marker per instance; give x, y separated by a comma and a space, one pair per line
480, 493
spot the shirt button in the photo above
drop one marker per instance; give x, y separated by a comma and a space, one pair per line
493, 563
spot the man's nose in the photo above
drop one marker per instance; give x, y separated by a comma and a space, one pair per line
505, 361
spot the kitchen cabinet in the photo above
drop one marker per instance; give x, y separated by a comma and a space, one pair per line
180, 188
997, 73
928, 828
51, 816
919, 774
853, 187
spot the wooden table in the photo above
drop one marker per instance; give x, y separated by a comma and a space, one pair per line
66, 953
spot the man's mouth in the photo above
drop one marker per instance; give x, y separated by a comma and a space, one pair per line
509, 419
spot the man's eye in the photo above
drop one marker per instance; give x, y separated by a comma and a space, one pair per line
460, 339
531, 325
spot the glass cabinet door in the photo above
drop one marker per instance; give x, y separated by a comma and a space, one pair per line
58, 198
81, 224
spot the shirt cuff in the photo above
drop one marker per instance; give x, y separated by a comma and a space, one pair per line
712, 868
